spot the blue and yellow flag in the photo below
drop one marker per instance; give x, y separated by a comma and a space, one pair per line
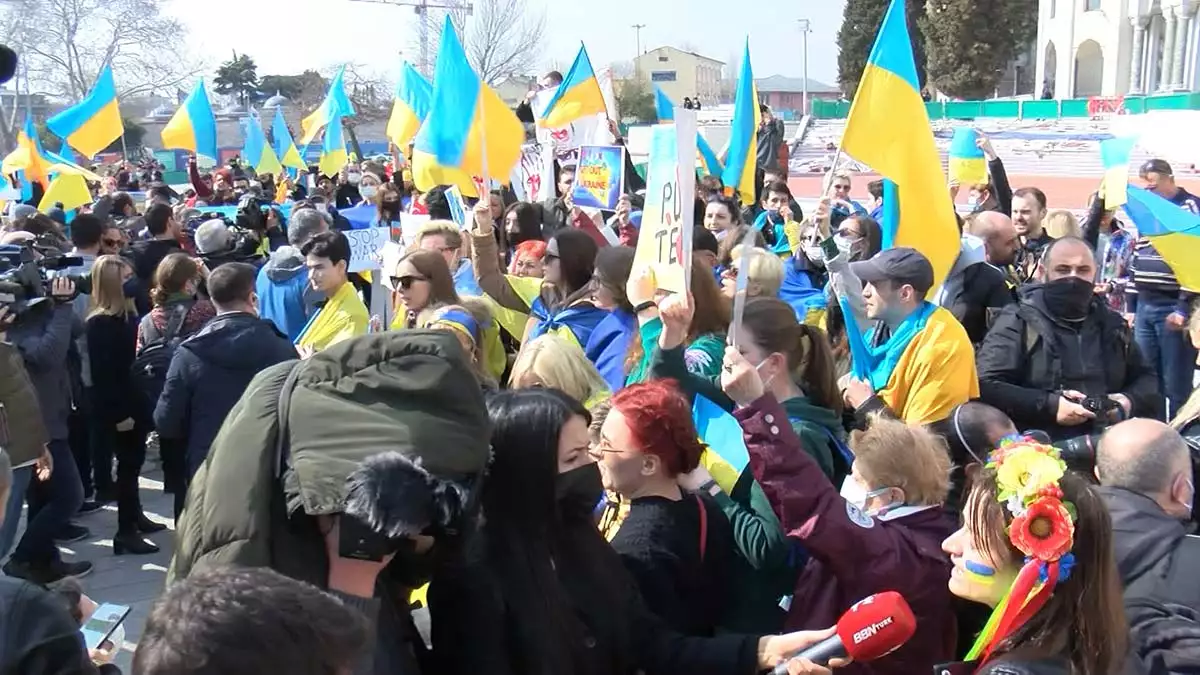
742, 158
259, 155
968, 166
889, 130
1174, 231
578, 95
1114, 153
414, 96
95, 122
193, 127
666, 113
333, 149
336, 104
469, 131
68, 189
28, 158
285, 147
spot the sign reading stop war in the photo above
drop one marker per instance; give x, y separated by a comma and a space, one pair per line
665, 239
365, 247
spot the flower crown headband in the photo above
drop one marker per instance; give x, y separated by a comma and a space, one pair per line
1043, 528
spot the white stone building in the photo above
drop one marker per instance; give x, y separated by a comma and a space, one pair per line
1116, 47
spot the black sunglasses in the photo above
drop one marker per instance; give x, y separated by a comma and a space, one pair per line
112, 242
406, 282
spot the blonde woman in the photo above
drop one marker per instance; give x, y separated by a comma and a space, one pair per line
551, 361
1061, 223
117, 410
765, 274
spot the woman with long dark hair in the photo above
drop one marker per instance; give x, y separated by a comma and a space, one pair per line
537, 590
522, 223
421, 281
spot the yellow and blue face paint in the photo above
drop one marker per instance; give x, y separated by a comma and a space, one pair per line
979, 573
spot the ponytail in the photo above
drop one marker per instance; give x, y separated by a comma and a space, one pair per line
817, 371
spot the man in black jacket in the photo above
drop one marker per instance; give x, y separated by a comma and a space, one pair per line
210, 370
1061, 347
975, 291
147, 254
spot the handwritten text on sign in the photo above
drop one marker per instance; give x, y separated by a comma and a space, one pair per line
365, 247
665, 241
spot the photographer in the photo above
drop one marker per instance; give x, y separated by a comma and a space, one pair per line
43, 335
1060, 360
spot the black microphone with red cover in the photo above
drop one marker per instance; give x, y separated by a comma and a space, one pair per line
874, 627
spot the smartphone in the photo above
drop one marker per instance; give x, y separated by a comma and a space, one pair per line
829, 248
102, 623
358, 541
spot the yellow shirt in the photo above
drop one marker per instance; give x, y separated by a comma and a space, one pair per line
344, 316
935, 373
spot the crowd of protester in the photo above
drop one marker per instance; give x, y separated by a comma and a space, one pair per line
509, 476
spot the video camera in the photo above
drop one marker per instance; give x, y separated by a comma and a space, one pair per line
24, 282
1079, 452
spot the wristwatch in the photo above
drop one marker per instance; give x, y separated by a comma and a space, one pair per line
711, 488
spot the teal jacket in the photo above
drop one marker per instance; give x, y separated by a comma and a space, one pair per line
815, 426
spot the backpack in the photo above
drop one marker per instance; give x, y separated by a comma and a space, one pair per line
150, 365
1163, 610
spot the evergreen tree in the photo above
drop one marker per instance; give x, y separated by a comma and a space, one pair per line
970, 43
860, 26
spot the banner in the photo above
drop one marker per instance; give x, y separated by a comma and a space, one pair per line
599, 177
665, 239
533, 177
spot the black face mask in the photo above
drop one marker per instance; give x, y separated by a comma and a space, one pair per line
1069, 297
578, 491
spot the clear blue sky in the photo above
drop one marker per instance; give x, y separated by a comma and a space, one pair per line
285, 36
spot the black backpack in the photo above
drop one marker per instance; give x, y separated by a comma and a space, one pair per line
149, 370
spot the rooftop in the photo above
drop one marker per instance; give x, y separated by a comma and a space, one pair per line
683, 51
792, 85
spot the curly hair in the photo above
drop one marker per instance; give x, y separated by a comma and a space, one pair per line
660, 421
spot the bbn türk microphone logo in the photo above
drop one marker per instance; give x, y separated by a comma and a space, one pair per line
870, 631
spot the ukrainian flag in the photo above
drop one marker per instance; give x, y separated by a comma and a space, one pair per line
285, 147
1174, 231
742, 158
28, 157
414, 95
68, 189
1114, 153
193, 127
469, 130
968, 166
257, 152
333, 149
889, 130
578, 95
666, 113
336, 104
93, 123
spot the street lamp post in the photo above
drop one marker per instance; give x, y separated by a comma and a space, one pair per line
637, 27
805, 29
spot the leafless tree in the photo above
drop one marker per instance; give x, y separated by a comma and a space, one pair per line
621, 70
63, 45
501, 37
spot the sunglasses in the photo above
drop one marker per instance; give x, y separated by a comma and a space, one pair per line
111, 242
406, 282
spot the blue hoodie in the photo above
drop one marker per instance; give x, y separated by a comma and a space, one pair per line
285, 297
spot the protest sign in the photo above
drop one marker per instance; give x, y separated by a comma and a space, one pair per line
665, 239
389, 257
533, 177
410, 224
365, 247
458, 207
599, 177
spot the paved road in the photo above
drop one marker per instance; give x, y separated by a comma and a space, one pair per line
131, 580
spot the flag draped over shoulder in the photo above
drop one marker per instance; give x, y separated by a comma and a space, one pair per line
414, 95
95, 122
1175, 233
193, 127
336, 104
665, 108
469, 130
742, 158
888, 129
578, 95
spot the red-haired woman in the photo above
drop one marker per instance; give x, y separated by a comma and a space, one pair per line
677, 545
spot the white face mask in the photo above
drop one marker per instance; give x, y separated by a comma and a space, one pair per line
853, 492
353, 178
815, 255
845, 244
368, 191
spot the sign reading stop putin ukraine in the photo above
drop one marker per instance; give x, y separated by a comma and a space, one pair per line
665, 239
599, 177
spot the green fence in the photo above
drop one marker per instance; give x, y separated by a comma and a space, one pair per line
1072, 107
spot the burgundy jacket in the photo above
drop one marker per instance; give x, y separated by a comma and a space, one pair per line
852, 554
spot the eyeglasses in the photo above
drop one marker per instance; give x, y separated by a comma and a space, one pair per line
406, 282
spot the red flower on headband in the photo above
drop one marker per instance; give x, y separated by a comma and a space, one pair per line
1044, 531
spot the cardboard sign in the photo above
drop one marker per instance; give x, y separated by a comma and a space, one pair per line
665, 239
366, 246
410, 224
458, 207
599, 177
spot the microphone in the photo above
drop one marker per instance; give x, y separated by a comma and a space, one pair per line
8, 64
874, 627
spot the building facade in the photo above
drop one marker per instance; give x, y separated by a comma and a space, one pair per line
681, 74
1117, 47
786, 94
